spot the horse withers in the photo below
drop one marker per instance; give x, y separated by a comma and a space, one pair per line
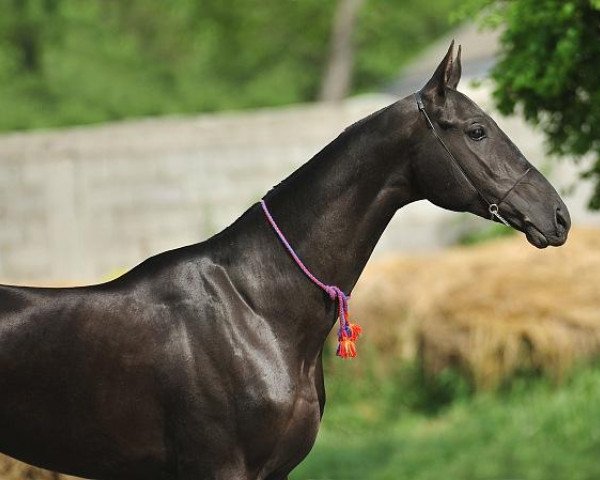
205, 361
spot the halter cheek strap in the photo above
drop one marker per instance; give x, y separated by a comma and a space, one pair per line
492, 206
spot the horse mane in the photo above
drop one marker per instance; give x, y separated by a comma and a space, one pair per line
336, 143
364, 120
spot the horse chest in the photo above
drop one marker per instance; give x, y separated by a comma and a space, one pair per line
284, 425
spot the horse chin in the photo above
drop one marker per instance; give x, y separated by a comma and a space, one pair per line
539, 239
535, 237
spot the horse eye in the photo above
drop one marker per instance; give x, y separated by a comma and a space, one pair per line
477, 133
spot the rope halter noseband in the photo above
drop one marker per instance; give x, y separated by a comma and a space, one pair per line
347, 332
492, 206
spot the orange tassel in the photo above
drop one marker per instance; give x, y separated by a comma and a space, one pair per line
356, 330
346, 348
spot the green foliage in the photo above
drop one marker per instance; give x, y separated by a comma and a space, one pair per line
548, 67
491, 232
416, 391
391, 32
65, 62
372, 399
535, 431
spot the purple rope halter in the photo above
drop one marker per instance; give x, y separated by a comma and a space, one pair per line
347, 332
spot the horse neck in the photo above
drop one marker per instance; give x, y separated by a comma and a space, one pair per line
334, 209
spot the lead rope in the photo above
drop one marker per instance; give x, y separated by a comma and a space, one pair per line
492, 207
348, 332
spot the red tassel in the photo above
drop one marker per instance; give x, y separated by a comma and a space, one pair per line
356, 330
346, 348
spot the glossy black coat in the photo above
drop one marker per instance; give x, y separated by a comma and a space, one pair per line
205, 362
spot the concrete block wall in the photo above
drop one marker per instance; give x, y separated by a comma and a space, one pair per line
79, 205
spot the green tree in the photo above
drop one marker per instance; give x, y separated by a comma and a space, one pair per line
27, 25
548, 67
66, 62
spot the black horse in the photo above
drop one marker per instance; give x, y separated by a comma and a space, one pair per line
205, 361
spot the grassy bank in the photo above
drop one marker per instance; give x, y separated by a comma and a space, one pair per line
532, 431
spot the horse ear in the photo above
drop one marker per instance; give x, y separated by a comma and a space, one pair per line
436, 86
456, 71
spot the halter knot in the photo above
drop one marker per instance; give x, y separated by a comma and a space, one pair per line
347, 332
332, 291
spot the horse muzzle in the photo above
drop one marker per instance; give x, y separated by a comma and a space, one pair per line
554, 234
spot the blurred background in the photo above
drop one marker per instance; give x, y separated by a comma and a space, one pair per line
129, 128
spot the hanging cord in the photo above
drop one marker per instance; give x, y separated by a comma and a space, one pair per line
348, 332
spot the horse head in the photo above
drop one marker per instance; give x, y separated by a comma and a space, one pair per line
465, 162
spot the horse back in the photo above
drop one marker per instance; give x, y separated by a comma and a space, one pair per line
79, 382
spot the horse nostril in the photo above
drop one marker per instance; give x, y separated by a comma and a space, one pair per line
562, 225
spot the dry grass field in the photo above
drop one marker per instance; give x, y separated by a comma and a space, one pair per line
12, 470
491, 310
